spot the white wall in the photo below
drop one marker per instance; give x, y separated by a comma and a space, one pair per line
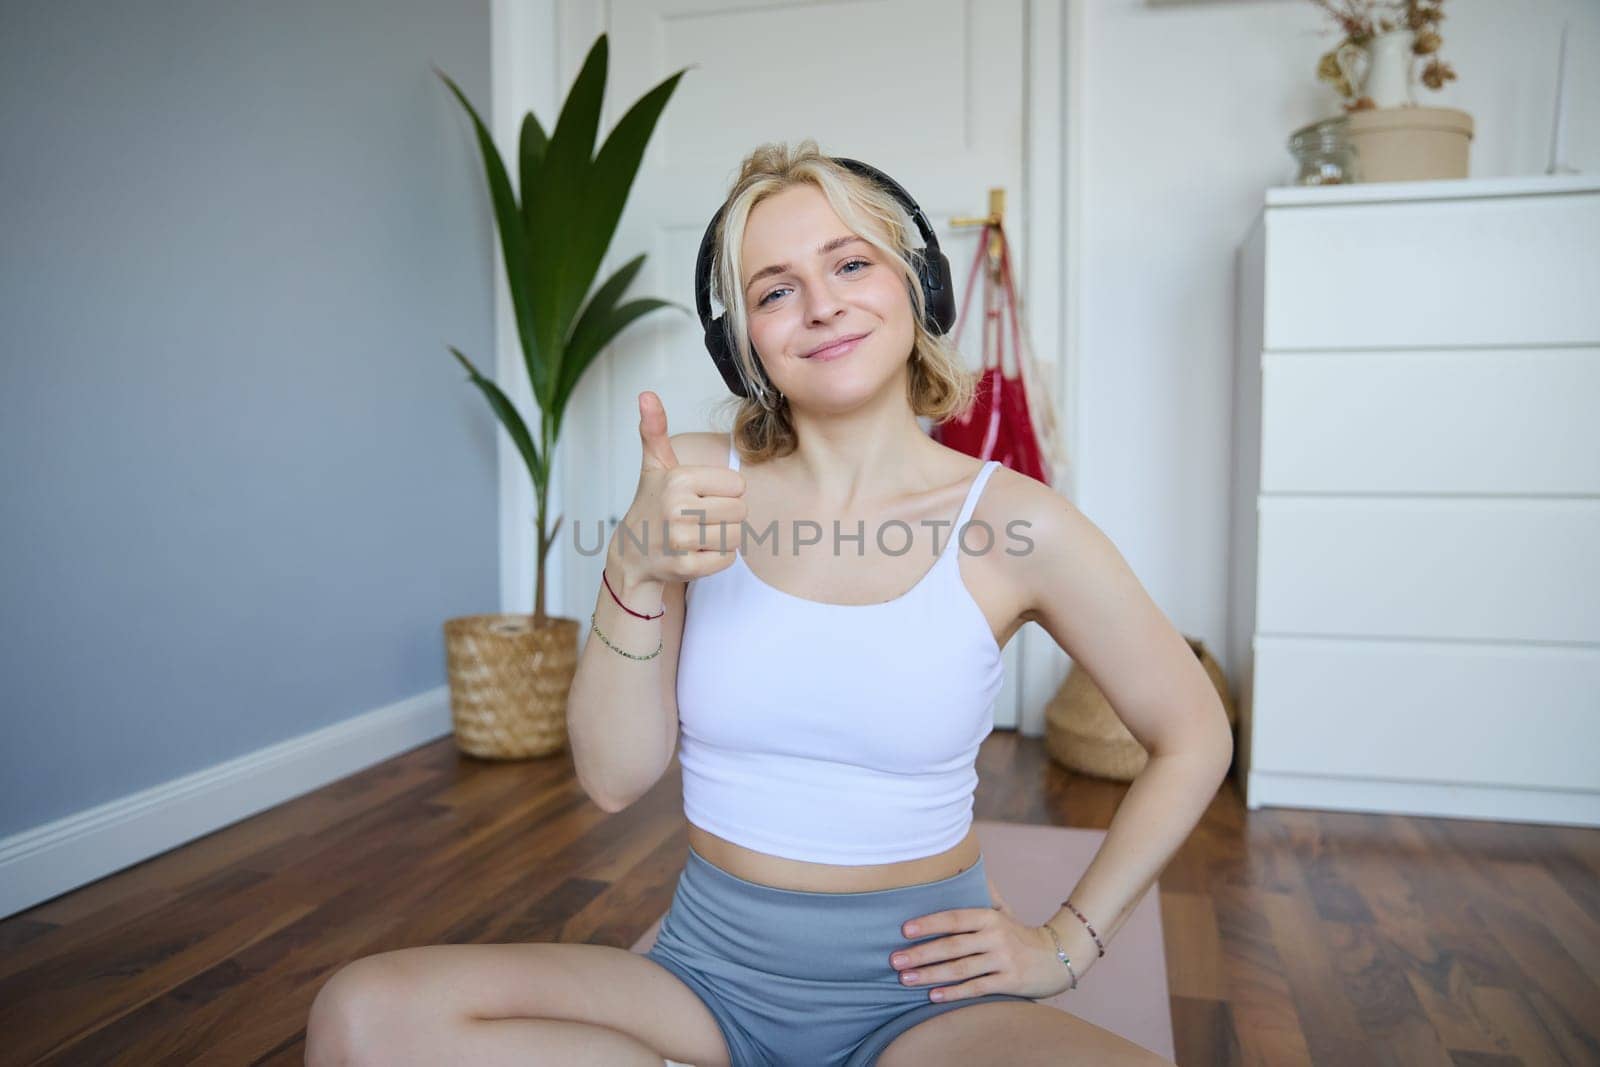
1184, 108
244, 480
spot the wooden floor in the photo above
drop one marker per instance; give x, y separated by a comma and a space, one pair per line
1292, 936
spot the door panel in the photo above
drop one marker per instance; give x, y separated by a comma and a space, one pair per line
930, 92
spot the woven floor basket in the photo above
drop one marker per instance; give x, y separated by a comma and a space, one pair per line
509, 683
1083, 733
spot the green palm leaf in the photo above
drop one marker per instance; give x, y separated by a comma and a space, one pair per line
612, 176
605, 329
556, 211
531, 150
513, 236
604, 299
506, 411
553, 242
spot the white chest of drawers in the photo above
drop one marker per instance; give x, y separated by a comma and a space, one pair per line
1414, 616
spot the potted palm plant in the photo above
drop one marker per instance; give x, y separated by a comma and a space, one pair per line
510, 674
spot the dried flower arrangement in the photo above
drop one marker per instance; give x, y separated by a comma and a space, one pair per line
1362, 20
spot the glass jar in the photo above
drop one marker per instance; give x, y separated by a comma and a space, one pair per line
1323, 155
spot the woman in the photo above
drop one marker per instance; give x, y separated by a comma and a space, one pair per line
834, 908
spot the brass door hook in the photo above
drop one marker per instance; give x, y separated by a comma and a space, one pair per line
995, 218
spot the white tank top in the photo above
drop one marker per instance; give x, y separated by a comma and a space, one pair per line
837, 733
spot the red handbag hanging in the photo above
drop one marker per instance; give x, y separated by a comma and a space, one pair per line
998, 424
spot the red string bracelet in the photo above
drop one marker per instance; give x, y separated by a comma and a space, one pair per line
625, 607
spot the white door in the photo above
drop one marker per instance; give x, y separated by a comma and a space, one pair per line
929, 91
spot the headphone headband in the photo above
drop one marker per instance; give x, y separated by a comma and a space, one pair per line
931, 266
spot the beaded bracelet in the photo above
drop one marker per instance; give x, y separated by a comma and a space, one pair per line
1079, 914
596, 628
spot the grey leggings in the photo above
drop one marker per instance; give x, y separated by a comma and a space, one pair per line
795, 977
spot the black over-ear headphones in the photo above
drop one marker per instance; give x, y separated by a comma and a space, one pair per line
930, 264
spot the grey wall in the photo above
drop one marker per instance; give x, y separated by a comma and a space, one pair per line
244, 482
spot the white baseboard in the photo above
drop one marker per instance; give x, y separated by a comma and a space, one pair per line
1447, 800
52, 859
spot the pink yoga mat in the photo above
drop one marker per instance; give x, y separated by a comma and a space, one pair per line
1035, 868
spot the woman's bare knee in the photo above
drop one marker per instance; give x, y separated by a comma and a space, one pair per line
359, 1015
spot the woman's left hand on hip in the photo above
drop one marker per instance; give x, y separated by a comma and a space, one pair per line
982, 950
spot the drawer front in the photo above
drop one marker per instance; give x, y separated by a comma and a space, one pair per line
1489, 569
1499, 271
1520, 420
1516, 715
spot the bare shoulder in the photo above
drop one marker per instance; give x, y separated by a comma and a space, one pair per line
1037, 532
706, 448
1020, 503
1074, 582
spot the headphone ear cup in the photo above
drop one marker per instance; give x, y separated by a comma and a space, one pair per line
945, 299
717, 345
938, 290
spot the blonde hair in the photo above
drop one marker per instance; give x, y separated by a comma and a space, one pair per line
940, 383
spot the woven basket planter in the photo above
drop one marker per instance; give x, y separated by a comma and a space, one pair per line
509, 682
1083, 733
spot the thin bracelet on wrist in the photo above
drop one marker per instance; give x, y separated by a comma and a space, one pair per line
622, 652
1062, 956
1083, 919
625, 607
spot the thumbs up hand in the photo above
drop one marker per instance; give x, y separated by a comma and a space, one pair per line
682, 515
656, 446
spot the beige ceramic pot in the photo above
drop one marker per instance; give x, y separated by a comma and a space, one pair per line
1401, 144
